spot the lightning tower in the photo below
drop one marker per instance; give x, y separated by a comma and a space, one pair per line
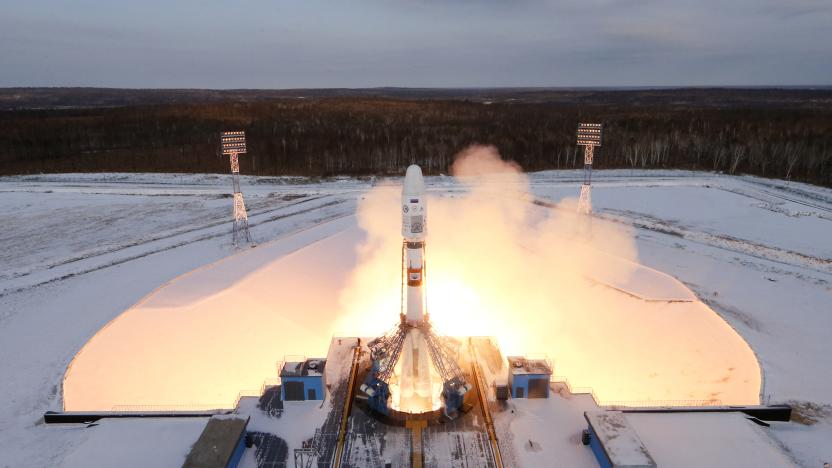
234, 144
590, 135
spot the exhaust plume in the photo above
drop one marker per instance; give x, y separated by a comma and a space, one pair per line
502, 266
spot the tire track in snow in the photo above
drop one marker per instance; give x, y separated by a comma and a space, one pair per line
721, 241
211, 235
147, 240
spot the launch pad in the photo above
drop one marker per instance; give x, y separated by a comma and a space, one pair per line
372, 438
493, 432
416, 391
381, 392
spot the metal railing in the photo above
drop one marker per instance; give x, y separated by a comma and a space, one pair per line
199, 406
616, 404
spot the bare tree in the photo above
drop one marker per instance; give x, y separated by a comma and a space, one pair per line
792, 152
737, 154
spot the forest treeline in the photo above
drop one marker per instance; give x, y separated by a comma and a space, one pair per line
359, 135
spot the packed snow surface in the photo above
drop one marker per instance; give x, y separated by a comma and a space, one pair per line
84, 250
134, 443
707, 439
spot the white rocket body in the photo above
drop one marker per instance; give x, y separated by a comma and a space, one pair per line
416, 367
414, 230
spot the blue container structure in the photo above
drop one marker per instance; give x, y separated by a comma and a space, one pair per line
529, 378
302, 380
237, 455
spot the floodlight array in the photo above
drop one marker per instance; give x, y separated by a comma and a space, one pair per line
233, 142
590, 134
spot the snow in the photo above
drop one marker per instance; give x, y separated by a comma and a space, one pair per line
134, 443
734, 212
643, 282
105, 225
533, 432
296, 425
42, 327
706, 439
218, 330
619, 441
264, 304
771, 288
79, 250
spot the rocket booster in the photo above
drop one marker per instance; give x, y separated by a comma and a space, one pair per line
414, 231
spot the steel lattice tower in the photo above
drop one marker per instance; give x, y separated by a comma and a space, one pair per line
589, 136
234, 144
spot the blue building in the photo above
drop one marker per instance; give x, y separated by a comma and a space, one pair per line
528, 378
302, 380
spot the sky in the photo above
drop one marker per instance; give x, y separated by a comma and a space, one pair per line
414, 43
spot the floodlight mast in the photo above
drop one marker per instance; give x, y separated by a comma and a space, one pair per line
234, 144
590, 135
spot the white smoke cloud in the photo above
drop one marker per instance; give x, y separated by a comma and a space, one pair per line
499, 265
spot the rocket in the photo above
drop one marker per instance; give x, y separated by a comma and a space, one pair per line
414, 223
416, 367
412, 364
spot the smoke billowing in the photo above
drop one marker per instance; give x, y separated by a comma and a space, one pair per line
497, 264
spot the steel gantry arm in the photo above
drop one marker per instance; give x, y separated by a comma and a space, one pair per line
442, 352
386, 351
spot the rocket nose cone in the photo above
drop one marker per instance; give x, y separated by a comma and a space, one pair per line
414, 184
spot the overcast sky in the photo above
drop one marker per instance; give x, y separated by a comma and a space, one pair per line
430, 43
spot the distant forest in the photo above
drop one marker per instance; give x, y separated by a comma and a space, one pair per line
782, 133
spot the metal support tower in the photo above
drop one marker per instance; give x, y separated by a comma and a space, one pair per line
590, 135
386, 351
234, 144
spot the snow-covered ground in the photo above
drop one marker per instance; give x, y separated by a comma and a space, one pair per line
80, 249
133, 443
222, 328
